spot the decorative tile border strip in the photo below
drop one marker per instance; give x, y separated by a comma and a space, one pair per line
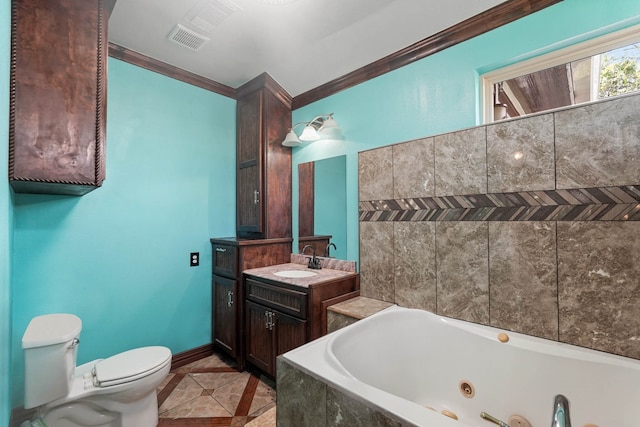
582, 204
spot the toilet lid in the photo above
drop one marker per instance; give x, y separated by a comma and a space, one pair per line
50, 329
130, 365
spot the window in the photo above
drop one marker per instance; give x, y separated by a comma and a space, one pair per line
597, 69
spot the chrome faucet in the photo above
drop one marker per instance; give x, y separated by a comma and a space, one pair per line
560, 412
327, 251
314, 262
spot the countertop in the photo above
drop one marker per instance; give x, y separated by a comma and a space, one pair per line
322, 275
359, 307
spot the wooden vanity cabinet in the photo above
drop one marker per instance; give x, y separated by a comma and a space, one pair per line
230, 256
280, 317
58, 95
263, 170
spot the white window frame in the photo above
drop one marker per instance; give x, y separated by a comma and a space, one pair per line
561, 56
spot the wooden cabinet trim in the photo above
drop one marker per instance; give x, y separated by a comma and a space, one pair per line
288, 301
265, 81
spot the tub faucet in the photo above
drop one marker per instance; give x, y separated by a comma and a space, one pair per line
560, 412
327, 251
314, 262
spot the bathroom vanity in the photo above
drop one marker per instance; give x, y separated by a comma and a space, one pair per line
285, 307
230, 257
258, 313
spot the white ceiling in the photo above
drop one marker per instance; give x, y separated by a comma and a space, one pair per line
302, 45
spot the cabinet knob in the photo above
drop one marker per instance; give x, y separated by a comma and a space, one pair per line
221, 250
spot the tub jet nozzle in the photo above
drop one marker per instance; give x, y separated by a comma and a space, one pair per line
493, 419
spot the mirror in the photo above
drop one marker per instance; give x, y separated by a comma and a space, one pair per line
322, 209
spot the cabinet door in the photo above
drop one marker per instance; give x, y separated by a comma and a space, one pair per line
290, 333
259, 337
249, 164
224, 314
270, 333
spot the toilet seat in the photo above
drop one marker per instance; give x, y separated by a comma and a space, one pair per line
130, 365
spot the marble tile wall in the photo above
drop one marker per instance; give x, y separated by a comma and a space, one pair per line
531, 225
304, 401
462, 269
461, 162
337, 321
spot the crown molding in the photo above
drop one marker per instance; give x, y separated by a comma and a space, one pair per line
135, 58
481, 23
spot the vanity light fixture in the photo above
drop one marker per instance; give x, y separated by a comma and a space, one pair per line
321, 126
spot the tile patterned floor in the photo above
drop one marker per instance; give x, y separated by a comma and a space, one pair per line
211, 392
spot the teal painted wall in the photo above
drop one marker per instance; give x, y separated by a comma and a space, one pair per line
440, 93
118, 257
6, 218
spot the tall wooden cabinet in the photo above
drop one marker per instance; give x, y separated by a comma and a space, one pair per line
263, 175
58, 95
263, 206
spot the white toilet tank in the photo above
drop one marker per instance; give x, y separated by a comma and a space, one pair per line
50, 345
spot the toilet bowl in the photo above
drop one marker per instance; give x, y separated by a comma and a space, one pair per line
119, 391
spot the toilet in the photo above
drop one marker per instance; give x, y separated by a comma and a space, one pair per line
119, 391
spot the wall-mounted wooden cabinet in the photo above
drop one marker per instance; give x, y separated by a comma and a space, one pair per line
263, 174
58, 95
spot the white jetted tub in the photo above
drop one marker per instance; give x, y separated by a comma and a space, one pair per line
404, 362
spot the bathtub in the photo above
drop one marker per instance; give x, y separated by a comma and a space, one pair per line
402, 361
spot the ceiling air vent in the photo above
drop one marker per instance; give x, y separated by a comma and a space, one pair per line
187, 38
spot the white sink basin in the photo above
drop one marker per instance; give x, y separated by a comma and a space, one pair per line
295, 274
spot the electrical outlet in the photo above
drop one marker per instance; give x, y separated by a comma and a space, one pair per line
194, 259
